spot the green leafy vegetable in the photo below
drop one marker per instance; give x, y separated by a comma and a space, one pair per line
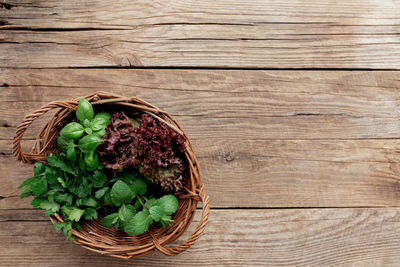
121, 193
72, 130
168, 203
91, 160
109, 219
139, 223
84, 110
89, 143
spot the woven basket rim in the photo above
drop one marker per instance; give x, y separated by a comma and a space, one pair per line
94, 236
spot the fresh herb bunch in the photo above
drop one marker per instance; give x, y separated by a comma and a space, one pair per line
74, 184
135, 219
151, 147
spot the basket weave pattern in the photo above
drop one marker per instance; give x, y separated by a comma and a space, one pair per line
94, 236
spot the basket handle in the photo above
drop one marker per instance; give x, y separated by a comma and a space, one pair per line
27, 121
196, 234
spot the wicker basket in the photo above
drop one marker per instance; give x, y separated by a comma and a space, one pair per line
94, 236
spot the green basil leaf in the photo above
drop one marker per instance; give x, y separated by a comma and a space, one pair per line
84, 110
100, 133
100, 121
72, 130
89, 143
91, 160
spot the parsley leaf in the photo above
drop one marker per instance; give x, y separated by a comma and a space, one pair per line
99, 179
47, 205
59, 161
90, 214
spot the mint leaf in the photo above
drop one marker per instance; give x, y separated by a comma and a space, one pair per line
156, 212
108, 220
90, 214
59, 161
139, 223
47, 205
99, 179
121, 193
166, 221
139, 186
150, 202
126, 212
39, 186
169, 204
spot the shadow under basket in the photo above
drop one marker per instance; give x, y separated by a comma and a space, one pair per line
94, 236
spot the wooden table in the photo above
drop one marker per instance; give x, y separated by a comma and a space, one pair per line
292, 106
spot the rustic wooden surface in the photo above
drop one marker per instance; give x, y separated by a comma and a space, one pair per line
292, 107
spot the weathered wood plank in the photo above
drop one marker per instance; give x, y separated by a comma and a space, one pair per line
246, 128
312, 237
230, 33
228, 104
273, 173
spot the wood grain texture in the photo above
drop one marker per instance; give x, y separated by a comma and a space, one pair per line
278, 173
305, 138
312, 237
234, 105
229, 33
